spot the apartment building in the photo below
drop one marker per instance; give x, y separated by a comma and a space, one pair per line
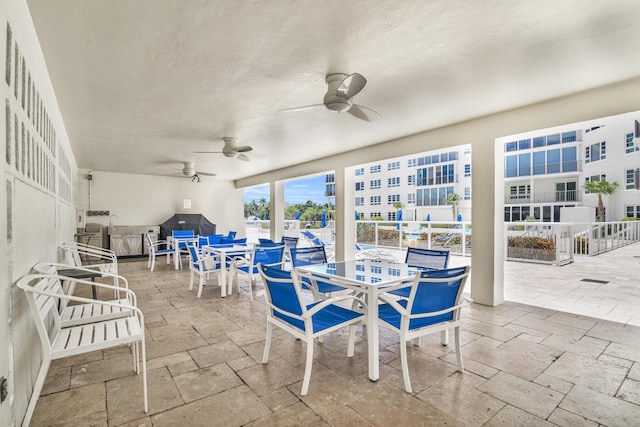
546, 170
420, 182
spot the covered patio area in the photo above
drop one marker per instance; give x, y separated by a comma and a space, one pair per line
526, 363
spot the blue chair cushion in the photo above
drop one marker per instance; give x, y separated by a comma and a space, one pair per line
328, 317
389, 314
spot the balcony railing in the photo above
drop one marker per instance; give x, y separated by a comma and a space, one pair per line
544, 197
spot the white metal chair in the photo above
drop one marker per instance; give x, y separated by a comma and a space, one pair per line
425, 260
287, 309
58, 341
434, 305
202, 266
100, 259
72, 315
272, 256
155, 251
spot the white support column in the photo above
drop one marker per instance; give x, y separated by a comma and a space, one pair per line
345, 214
276, 209
487, 266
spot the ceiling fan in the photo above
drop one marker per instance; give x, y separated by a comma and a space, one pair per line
189, 171
231, 149
339, 97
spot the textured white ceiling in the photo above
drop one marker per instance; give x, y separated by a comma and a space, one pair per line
143, 83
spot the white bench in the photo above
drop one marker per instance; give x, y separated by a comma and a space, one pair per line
43, 293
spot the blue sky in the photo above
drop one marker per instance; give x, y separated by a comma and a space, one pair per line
295, 191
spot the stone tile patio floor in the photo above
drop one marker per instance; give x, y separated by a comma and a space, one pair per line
524, 364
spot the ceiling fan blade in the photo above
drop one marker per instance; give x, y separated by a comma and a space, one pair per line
206, 152
243, 149
243, 157
306, 107
352, 85
205, 173
364, 113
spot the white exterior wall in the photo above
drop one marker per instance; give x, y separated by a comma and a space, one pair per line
614, 166
151, 200
38, 195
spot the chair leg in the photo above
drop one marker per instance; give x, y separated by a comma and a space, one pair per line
444, 337
405, 364
149, 261
267, 343
201, 284
416, 342
144, 375
307, 368
352, 341
458, 350
191, 281
37, 389
152, 260
251, 287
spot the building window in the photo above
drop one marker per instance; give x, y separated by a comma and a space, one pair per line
359, 171
436, 175
594, 178
519, 192
553, 161
569, 159
467, 170
375, 200
566, 191
510, 146
329, 190
391, 216
392, 198
359, 201
359, 186
553, 139
393, 166
412, 163
631, 179
411, 198
411, 180
467, 193
525, 144
595, 152
569, 136
432, 196
374, 215
632, 211
375, 184
393, 182
375, 169
630, 146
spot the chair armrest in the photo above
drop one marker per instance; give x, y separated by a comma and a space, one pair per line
436, 313
393, 303
333, 300
85, 300
127, 291
89, 269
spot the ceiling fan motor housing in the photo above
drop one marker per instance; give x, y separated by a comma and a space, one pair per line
332, 100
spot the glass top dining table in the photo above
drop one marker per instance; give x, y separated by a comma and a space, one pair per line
371, 277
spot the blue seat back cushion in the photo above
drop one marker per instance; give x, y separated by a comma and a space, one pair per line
427, 258
283, 295
267, 256
429, 297
308, 256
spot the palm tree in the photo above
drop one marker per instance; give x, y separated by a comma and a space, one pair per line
602, 187
453, 199
398, 206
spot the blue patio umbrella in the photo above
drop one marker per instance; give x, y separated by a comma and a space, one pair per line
323, 220
459, 217
357, 217
399, 218
297, 216
428, 217
264, 217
